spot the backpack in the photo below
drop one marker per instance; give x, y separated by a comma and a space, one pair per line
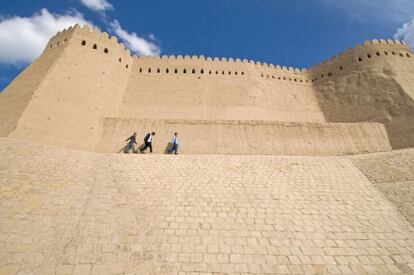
147, 137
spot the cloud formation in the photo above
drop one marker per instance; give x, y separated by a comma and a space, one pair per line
406, 33
384, 11
132, 41
22, 39
97, 5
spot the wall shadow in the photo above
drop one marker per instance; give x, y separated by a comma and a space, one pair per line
374, 97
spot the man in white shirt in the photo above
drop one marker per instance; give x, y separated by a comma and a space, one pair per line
148, 142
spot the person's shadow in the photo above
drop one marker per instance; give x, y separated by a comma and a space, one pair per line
168, 148
123, 149
141, 147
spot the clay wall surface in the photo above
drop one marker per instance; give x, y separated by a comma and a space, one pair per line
248, 137
200, 88
372, 82
85, 85
16, 96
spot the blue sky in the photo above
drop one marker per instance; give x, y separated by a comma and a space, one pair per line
298, 33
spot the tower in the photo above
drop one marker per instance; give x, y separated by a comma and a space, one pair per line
62, 96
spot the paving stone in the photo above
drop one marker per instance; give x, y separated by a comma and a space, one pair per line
72, 212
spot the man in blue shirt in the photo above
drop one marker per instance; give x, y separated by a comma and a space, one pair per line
175, 145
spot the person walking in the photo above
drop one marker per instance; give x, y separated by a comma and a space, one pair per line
175, 145
148, 142
131, 144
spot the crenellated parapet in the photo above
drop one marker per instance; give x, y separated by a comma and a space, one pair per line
188, 65
200, 65
101, 43
97, 37
60, 39
369, 51
91, 39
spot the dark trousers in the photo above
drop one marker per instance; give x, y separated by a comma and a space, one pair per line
147, 144
174, 148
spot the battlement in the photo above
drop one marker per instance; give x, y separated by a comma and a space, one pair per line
368, 51
210, 60
201, 65
102, 42
61, 38
93, 39
208, 66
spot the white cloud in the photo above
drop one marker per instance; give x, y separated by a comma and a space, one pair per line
97, 5
132, 41
406, 33
22, 39
385, 11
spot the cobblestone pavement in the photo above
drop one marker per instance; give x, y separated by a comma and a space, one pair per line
72, 212
393, 174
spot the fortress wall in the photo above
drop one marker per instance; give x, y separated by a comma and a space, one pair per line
372, 82
85, 76
17, 95
249, 137
85, 85
205, 88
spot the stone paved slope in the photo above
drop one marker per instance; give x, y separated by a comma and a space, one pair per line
72, 212
393, 174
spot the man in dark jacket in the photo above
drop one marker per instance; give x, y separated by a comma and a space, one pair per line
131, 144
148, 142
